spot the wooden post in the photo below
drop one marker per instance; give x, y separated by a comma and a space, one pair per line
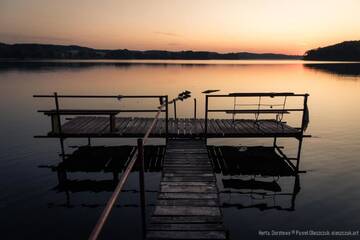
296, 190
206, 116
62, 147
140, 161
303, 116
299, 153
194, 108
56, 124
274, 143
167, 119
302, 132
175, 110
56, 120
62, 177
112, 122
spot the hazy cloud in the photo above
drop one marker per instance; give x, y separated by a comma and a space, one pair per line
173, 44
16, 38
169, 34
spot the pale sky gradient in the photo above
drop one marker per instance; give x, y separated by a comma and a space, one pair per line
280, 26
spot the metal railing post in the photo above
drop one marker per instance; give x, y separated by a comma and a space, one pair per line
57, 112
299, 154
194, 108
175, 110
302, 132
167, 119
140, 160
206, 115
303, 115
56, 124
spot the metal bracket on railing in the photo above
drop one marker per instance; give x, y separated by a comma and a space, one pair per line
182, 96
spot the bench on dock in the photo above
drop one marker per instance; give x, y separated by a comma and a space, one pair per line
55, 116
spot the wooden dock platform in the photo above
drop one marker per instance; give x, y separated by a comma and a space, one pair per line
188, 200
94, 126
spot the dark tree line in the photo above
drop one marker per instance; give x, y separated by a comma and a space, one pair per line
345, 51
43, 51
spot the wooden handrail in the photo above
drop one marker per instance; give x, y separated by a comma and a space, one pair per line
98, 96
260, 94
257, 111
138, 153
273, 110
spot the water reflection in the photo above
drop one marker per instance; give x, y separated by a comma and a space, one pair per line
343, 69
332, 156
103, 159
244, 174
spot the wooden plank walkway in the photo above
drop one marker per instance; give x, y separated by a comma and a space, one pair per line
91, 126
188, 202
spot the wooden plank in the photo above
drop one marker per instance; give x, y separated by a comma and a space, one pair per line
225, 129
129, 128
184, 227
122, 124
199, 176
186, 211
75, 125
188, 189
185, 219
188, 202
84, 127
186, 235
166, 195
215, 128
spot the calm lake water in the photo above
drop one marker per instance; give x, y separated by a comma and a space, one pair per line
31, 207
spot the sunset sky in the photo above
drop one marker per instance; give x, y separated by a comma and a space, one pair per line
279, 26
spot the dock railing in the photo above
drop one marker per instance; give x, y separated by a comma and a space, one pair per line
58, 112
138, 157
257, 110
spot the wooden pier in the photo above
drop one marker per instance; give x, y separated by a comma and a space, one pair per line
188, 200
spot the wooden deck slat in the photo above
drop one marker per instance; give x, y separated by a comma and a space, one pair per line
188, 227
89, 126
186, 235
74, 124
187, 189
121, 124
185, 219
82, 128
188, 202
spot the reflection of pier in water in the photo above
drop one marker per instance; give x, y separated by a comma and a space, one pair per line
227, 161
245, 172
102, 159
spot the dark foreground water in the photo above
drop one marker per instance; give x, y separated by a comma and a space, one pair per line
31, 207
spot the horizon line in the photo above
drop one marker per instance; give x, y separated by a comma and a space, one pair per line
142, 50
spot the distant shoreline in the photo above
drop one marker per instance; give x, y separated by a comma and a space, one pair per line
348, 51
48, 51
183, 61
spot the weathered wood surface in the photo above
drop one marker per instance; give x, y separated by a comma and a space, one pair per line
188, 200
95, 126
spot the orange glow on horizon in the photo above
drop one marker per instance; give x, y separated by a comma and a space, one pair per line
261, 26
